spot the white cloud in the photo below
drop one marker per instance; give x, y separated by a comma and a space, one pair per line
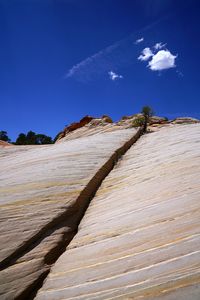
138, 41
113, 76
116, 55
146, 54
162, 60
159, 46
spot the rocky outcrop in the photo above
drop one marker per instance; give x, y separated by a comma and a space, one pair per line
158, 120
140, 236
128, 121
104, 124
44, 193
185, 120
4, 144
89, 125
79, 124
83, 122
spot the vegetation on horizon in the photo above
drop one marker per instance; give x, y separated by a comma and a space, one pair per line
4, 136
31, 138
143, 119
147, 112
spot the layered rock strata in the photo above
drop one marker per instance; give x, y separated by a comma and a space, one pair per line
140, 236
44, 193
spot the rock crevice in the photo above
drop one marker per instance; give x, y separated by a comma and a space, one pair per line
140, 236
53, 237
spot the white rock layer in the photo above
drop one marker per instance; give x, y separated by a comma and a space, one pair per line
43, 191
140, 237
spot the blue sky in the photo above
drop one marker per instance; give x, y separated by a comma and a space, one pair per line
63, 59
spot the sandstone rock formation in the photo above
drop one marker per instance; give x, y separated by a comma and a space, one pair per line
129, 121
44, 192
185, 120
83, 122
139, 237
90, 125
4, 144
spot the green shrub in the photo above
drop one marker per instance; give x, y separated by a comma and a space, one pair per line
147, 112
138, 122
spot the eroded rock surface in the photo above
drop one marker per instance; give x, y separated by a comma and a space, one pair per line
4, 144
44, 191
88, 125
185, 120
140, 236
104, 120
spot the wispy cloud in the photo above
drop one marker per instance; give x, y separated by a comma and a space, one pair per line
146, 54
86, 63
159, 46
138, 41
113, 76
120, 53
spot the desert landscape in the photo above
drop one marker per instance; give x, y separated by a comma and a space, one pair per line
107, 212
99, 150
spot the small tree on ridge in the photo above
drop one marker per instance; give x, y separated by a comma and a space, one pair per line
147, 113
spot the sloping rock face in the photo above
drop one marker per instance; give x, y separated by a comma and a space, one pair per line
82, 123
140, 236
44, 191
4, 144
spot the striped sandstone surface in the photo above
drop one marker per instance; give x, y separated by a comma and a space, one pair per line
140, 236
44, 191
